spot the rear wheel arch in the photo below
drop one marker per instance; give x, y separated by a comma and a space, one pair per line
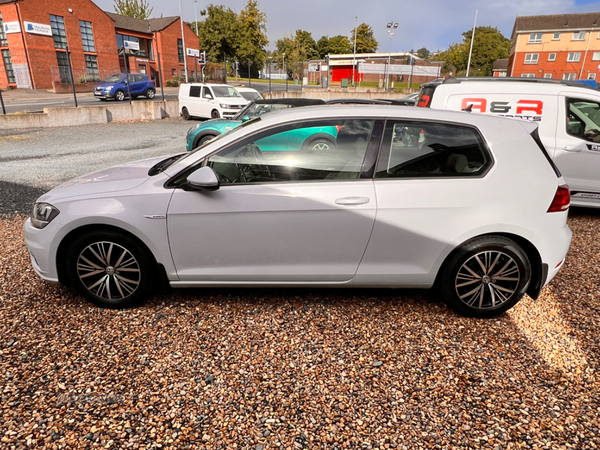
538, 270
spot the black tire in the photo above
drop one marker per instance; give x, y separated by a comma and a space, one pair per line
185, 113
471, 282
205, 138
319, 144
150, 93
110, 269
119, 95
214, 114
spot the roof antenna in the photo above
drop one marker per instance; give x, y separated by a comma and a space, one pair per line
469, 108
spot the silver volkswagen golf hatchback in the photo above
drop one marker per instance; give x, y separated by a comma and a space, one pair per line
403, 197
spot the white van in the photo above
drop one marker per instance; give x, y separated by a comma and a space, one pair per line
209, 100
568, 114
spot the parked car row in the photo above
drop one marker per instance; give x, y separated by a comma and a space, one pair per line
121, 86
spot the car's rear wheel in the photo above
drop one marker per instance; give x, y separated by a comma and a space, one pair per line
215, 114
109, 268
150, 93
120, 96
185, 113
486, 277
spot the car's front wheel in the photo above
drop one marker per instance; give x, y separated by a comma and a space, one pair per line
203, 139
215, 114
486, 276
150, 93
120, 96
109, 268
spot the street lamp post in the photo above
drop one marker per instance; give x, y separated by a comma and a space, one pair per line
269, 77
183, 43
197, 34
390, 26
354, 58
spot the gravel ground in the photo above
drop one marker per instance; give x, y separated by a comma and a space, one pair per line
36, 160
294, 369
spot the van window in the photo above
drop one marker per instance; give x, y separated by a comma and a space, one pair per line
583, 119
414, 149
206, 93
195, 91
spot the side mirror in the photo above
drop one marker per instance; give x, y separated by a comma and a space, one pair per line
245, 119
208, 96
203, 179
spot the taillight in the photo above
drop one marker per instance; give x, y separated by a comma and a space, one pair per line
562, 199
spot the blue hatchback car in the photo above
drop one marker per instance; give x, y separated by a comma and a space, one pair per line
119, 86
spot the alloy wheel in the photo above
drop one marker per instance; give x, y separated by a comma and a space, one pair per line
487, 280
108, 270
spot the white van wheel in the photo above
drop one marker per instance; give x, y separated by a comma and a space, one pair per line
185, 113
215, 114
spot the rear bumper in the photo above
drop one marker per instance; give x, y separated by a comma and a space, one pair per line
552, 241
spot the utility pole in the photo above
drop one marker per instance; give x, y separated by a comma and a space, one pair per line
472, 40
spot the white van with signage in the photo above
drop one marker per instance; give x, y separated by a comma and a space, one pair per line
568, 114
209, 100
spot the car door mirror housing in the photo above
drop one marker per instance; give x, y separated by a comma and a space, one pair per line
203, 179
245, 118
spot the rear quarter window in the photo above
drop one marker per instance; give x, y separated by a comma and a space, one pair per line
432, 150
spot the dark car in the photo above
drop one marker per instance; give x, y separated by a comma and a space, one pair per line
119, 86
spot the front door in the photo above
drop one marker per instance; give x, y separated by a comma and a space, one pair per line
577, 153
284, 216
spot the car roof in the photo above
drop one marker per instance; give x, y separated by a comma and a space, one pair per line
357, 101
533, 83
290, 101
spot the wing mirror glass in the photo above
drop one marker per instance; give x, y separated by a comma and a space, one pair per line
203, 179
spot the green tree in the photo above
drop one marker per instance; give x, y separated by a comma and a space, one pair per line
336, 45
423, 53
298, 49
488, 46
253, 25
133, 8
365, 39
220, 33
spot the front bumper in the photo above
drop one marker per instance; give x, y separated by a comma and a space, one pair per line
104, 94
41, 260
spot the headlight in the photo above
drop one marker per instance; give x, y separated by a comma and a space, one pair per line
224, 106
194, 128
43, 214
108, 88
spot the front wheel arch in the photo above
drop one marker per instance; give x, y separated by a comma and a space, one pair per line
67, 241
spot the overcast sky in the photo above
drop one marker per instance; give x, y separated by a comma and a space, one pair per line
434, 24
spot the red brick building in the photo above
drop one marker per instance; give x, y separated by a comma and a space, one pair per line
561, 46
39, 38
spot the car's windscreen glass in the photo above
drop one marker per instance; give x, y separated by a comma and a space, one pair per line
224, 91
250, 95
114, 78
256, 110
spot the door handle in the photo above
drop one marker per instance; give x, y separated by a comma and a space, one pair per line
349, 201
572, 148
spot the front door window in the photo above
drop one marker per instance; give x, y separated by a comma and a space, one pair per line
583, 119
319, 151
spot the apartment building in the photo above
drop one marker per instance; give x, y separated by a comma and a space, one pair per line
563, 46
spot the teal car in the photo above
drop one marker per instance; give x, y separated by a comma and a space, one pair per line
319, 138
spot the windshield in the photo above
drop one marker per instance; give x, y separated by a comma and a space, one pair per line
250, 95
226, 91
114, 78
254, 110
